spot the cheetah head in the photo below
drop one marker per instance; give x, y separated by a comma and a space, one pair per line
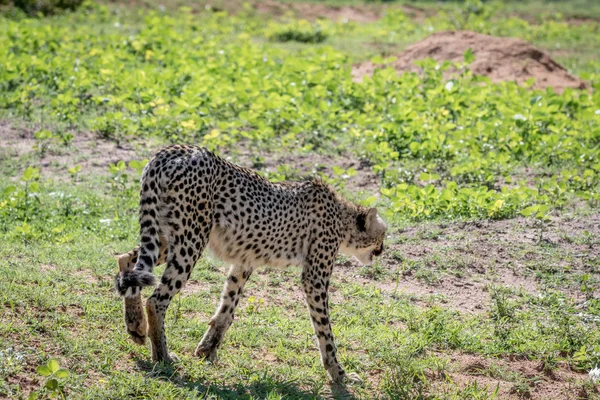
364, 240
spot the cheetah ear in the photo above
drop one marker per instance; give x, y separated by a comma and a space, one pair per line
361, 222
366, 222
371, 219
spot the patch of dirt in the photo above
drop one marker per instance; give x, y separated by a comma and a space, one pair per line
362, 13
312, 11
515, 379
309, 164
74, 310
417, 13
458, 294
94, 155
194, 286
88, 276
48, 267
25, 383
500, 59
581, 20
464, 259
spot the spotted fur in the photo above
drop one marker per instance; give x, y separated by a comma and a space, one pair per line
191, 199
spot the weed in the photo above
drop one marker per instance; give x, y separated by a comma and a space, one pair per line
55, 376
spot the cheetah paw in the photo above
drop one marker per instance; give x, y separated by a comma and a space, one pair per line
207, 354
172, 359
341, 378
353, 378
137, 337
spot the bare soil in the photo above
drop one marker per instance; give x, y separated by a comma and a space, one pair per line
93, 154
361, 13
500, 59
470, 257
312, 11
515, 379
310, 164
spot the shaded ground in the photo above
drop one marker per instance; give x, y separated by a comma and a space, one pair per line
500, 59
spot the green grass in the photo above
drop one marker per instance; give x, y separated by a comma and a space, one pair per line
455, 170
56, 290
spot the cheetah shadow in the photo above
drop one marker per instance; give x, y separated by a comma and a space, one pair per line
263, 387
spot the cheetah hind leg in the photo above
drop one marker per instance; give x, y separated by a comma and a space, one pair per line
133, 306
223, 317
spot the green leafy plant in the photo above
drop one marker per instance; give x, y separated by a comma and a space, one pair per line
54, 385
588, 285
138, 165
43, 139
540, 213
73, 171
46, 7
297, 31
21, 200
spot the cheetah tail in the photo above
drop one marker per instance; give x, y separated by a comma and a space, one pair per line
128, 283
142, 275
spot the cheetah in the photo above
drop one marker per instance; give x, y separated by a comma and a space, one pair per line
190, 199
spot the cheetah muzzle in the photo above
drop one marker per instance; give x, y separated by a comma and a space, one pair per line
191, 199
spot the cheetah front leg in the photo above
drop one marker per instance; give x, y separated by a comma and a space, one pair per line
133, 306
223, 317
181, 258
315, 282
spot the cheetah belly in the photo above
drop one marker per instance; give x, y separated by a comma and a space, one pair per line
226, 244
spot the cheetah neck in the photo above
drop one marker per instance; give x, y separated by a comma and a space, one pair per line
349, 213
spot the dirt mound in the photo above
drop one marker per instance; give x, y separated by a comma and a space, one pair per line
313, 11
501, 59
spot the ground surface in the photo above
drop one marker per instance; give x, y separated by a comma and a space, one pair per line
473, 298
500, 59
